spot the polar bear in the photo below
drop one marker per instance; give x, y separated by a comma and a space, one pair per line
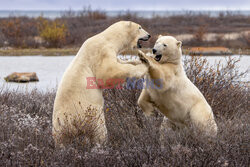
97, 58
175, 96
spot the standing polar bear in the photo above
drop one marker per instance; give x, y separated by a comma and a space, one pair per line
176, 96
96, 59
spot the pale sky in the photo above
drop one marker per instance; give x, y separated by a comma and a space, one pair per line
125, 4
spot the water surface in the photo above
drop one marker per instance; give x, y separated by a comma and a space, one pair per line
50, 69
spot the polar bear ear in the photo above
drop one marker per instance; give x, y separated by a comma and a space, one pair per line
159, 36
179, 43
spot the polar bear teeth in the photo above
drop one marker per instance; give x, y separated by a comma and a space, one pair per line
158, 57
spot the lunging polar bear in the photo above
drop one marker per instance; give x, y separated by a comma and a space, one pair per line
176, 96
96, 58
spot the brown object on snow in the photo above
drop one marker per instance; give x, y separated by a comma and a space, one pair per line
209, 51
22, 77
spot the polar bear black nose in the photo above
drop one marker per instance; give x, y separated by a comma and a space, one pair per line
149, 36
154, 51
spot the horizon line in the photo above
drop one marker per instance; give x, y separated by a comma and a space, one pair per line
150, 10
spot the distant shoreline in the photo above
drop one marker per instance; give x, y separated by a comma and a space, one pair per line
52, 14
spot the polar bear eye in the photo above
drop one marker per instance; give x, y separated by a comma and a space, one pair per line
164, 45
139, 27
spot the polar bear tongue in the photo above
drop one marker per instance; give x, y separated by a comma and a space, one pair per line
158, 57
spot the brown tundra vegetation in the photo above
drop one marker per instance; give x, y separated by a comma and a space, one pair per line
72, 29
133, 139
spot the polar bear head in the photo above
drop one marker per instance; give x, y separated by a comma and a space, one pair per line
167, 50
129, 33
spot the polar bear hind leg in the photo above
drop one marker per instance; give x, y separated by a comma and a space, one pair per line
145, 104
202, 117
88, 123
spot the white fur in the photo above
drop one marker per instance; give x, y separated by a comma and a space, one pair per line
96, 58
179, 99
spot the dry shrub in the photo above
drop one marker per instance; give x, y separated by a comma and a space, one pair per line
217, 83
245, 38
54, 32
26, 139
199, 34
89, 13
123, 116
11, 29
3, 39
96, 15
82, 131
128, 15
16, 30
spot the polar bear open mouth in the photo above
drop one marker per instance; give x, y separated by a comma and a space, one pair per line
158, 57
139, 42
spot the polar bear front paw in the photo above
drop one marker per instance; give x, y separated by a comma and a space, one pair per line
142, 57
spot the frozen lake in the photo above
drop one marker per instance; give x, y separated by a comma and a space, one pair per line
50, 69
